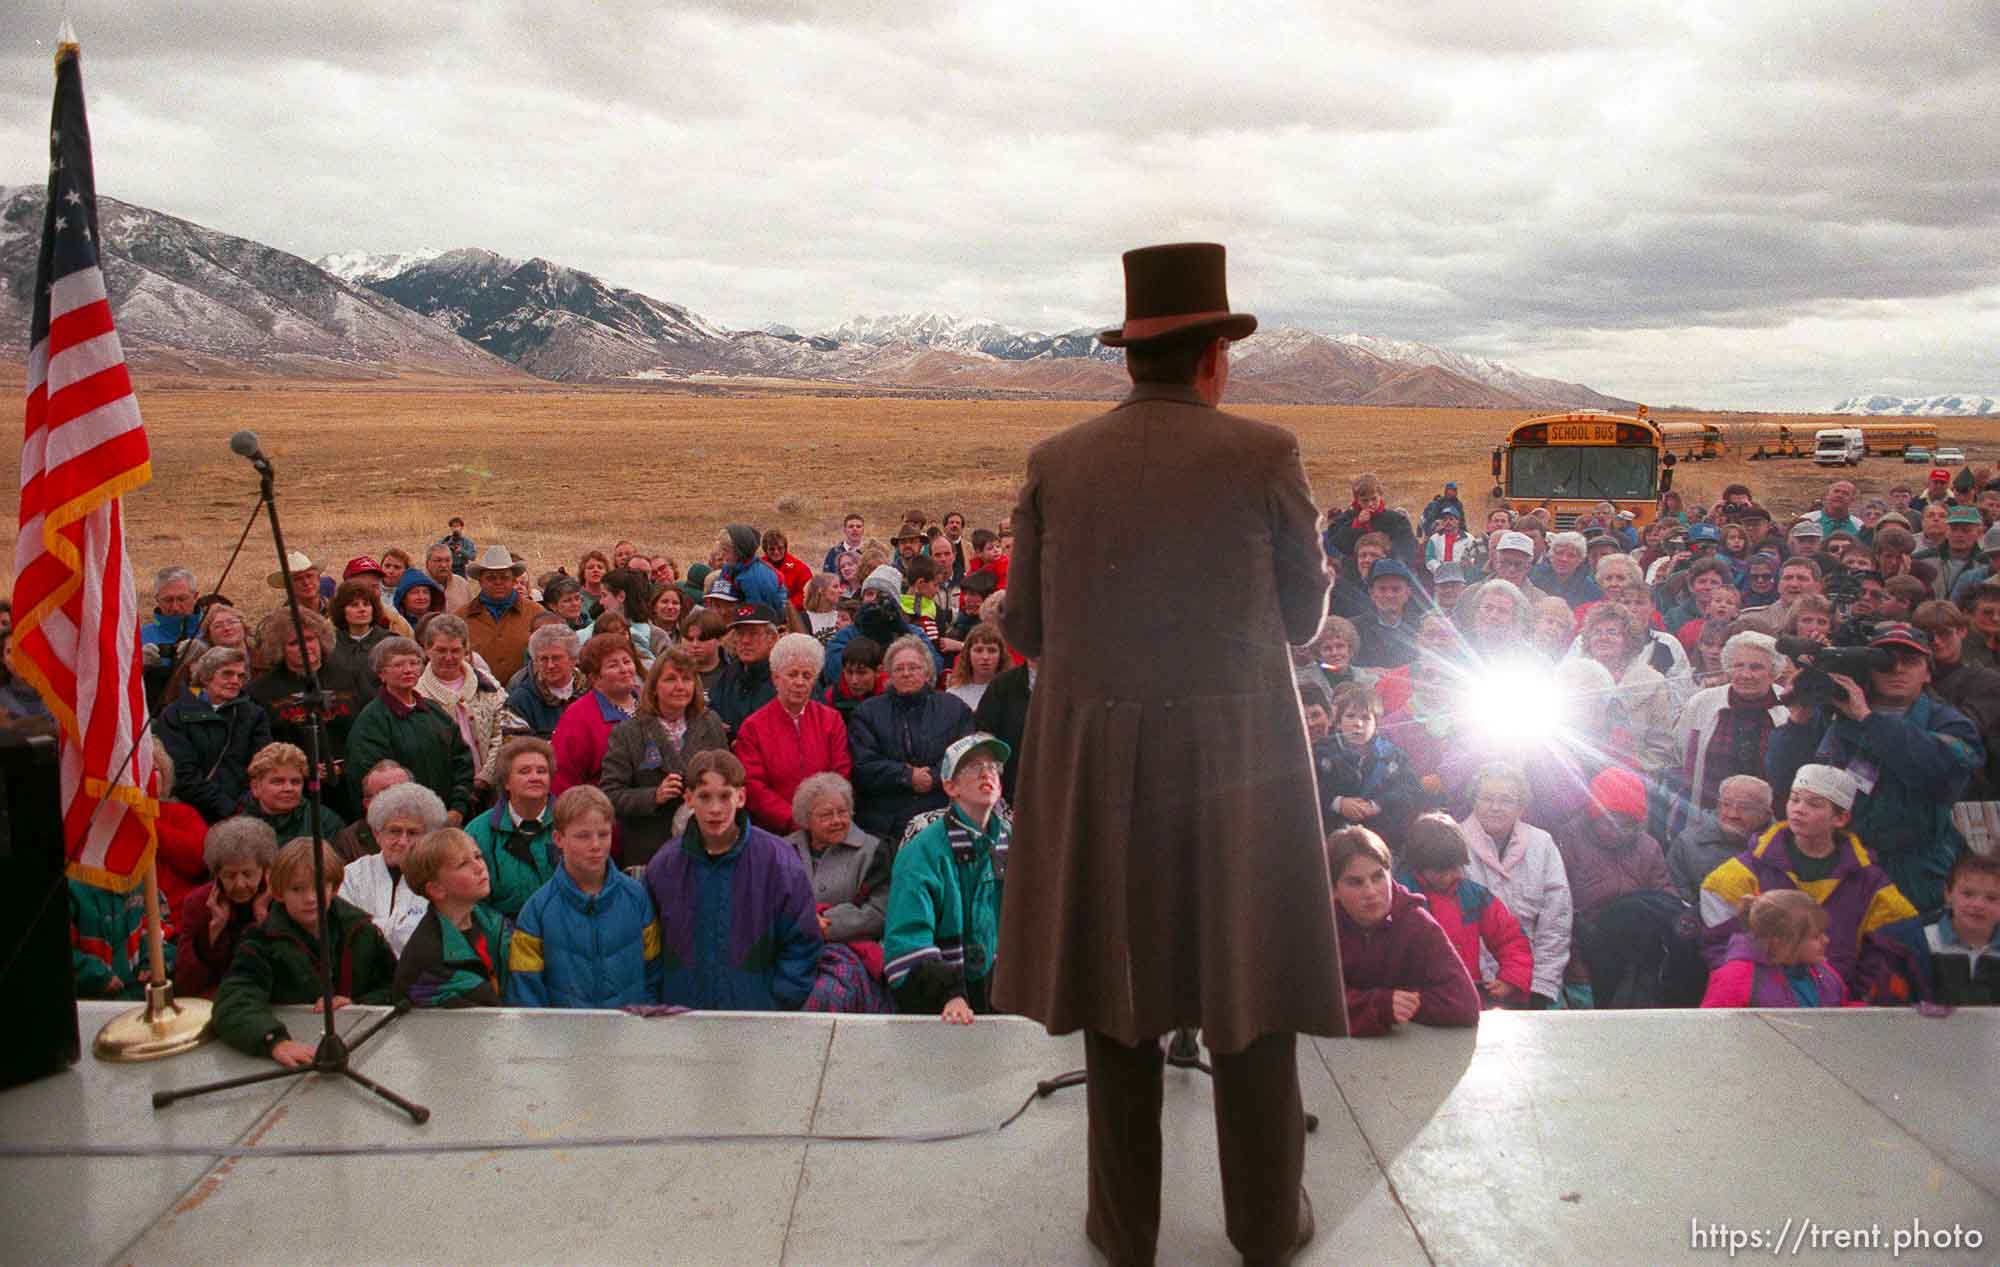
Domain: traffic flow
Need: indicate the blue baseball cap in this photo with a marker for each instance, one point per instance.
(1391, 567)
(1704, 532)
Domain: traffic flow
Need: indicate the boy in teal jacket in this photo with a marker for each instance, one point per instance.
(457, 954)
(943, 934)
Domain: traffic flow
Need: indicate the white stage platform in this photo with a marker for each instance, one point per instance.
(1561, 1138)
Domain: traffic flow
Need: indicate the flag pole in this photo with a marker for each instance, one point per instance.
(163, 1025)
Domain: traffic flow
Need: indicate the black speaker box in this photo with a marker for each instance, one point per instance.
(37, 986)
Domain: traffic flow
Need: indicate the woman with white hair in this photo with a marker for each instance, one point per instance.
(898, 739)
(850, 881)
(1563, 573)
(791, 738)
(1726, 729)
(1500, 620)
(1522, 867)
(1638, 729)
(453, 680)
(849, 867)
(399, 817)
(213, 732)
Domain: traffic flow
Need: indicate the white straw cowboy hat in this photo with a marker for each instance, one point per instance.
(297, 563)
(496, 559)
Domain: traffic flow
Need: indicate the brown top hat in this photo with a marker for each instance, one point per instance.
(1177, 292)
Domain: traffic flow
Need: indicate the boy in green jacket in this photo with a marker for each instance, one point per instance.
(943, 933)
(278, 961)
(457, 956)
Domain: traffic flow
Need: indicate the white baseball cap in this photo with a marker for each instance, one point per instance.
(1832, 782)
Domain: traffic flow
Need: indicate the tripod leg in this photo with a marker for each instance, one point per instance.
(354, 1044)
(418, 1113)
(161, 1099)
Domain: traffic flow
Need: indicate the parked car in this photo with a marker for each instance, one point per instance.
(1919, 457)
(1949, 455)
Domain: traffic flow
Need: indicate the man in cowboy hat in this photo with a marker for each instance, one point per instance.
(305, 583)
(1161, 822)
(500, 618)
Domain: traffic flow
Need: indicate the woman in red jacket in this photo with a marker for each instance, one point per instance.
(585, 729)
(791, 738)
(1395, 961)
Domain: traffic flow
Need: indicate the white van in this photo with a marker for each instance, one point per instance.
(1839, 446)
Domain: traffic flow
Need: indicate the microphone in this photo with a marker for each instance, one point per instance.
(244, 444)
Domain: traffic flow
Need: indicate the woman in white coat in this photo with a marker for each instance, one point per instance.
(1521, 865)
(399, 816)
(1725, 730)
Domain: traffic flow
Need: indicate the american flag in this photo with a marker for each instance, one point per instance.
(76, 625)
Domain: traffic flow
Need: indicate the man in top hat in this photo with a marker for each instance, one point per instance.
(1166, 787)
(500, 617)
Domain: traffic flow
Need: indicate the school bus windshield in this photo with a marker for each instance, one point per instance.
(1598, 472)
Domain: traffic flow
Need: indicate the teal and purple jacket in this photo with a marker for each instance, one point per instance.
(738, 932)
(441, 968)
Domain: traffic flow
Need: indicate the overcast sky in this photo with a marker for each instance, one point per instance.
(1746, 205)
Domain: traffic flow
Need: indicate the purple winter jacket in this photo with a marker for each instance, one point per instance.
(1406, 951)
(738, 932)
(1749, 979)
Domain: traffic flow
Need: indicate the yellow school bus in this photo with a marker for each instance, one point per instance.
(1570, 462)
(1691, 441)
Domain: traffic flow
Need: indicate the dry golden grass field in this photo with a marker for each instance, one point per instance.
(551, 470)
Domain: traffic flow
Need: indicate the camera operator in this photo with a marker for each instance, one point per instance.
(1856, 593)
(1908, 751)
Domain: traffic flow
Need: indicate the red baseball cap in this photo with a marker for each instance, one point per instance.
(362, 565)
(1939, 473)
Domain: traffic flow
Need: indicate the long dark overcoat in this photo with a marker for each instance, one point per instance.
(1167, 865)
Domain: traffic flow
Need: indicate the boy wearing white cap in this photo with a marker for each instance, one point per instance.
(943, 924)
(1810, 849)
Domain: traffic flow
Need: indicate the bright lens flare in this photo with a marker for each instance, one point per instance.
(1514, 705)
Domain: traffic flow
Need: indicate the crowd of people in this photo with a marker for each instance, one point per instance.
(1725, 757)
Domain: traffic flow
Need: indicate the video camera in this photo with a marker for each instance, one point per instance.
(1814, 684)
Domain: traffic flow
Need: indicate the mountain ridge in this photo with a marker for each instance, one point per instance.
(1942, 405)
(205, 301)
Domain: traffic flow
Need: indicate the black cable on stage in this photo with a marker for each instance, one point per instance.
(562, 1144)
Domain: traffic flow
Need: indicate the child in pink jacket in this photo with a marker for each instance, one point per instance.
(1472, 916)
(1781, 961)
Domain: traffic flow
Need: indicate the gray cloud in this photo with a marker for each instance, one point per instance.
(1627, 191)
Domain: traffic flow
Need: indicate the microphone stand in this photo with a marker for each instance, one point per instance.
(334, 1052)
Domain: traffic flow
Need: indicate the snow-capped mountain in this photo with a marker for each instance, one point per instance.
(986, 338)
(203, 301)
(193, 299)
(552, 321)
(1951, 405)
(362, 267)
(1479, 369)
